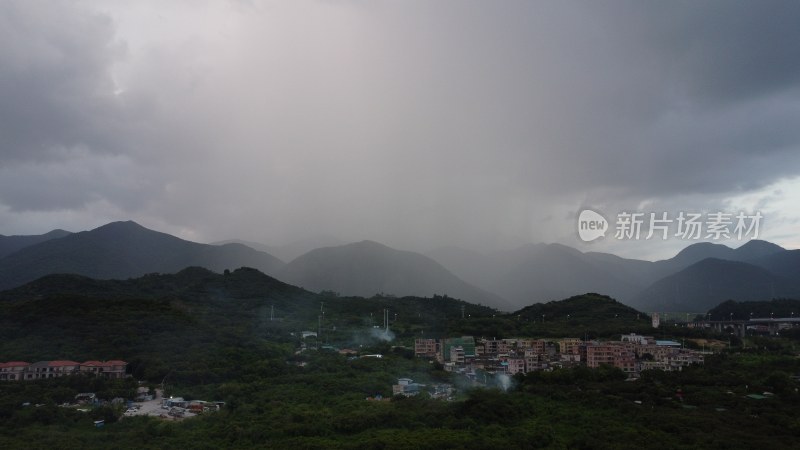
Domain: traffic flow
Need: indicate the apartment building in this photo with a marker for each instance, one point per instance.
(613, 354)
(41, 370)
(426, 348)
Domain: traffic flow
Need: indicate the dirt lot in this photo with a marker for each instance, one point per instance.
(153, 408)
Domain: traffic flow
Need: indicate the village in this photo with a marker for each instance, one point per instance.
(477, 359)
(632, 354)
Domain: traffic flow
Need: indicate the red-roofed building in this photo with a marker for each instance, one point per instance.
(92, 366)
(17, 370)
(115, 368)
(51, 369)
(13, 370)
(65, 365)
(109, 369)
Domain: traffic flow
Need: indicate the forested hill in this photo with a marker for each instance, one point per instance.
(197, 314)
(587, 306)
(11, 244)
(173, 322)
(778, 308)
(121, 250)
(589, 315)
(234, 337)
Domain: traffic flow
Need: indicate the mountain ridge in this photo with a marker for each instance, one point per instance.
(366, 268)
(124, 250)
(542, 272)
(11, 244)
(711, 281)
(507, 279)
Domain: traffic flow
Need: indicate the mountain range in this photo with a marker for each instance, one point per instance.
(290, 251)
(366, 268)
(121, 250)
(124, 250)
(696, 279)
(10, 244)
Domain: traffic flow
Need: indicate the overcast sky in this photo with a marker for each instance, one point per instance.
(484, 124)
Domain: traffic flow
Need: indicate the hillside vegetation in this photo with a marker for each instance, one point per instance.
(234, 337)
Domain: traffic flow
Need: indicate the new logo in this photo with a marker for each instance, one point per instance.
(591, 225)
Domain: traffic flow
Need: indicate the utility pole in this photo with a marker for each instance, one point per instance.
(162, 382)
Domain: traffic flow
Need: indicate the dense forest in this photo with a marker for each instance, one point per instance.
(235, 337)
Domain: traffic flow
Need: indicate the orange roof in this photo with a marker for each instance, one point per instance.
(104, 364)
(63, 363)
(15, 364)
(92, 363)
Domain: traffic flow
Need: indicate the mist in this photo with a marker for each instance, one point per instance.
(414, 124)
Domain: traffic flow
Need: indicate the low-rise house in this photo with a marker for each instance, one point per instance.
(407, 387)
(40, 370)
(638, 339)
(51, 369)
(108, 369)
(14, 370)
(115, 369)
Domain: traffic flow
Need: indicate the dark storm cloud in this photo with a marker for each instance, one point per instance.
(700, 98)
(72, 183)
(67, 136)
(723, 51)
(55, 81)
(413, 123)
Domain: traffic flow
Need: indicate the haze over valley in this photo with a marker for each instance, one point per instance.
(696, 279)
(399, 224)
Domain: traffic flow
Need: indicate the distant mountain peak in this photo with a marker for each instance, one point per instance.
(564, 248)
(58, 232)
(706, 283)
(369, 243)
(121, 225)
(11, 244)
(703, 247)
(366, 246)
(125, 249)
(366, 268)
(756, 248)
